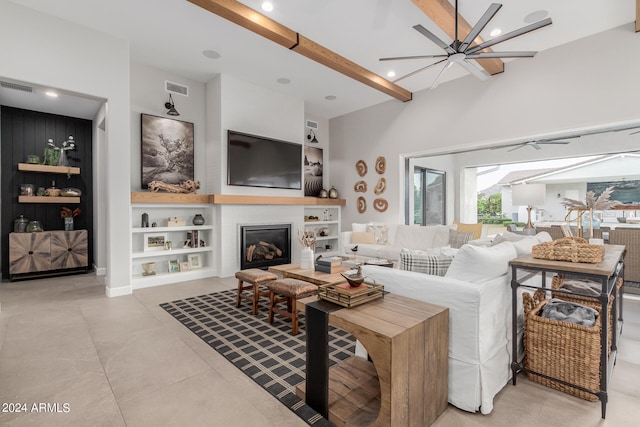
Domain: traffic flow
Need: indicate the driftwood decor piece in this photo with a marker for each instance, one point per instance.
(187, 186)
(381, 165)
(380, 186)
(360, 187)
(380, 205)
(361, 205)
(361, 167)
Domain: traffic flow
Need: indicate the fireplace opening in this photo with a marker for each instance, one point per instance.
(262, 246)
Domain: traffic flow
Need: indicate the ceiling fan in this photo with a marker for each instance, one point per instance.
(539, 143)
(460, 52)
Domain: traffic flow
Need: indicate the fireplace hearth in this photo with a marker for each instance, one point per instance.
(262, 246)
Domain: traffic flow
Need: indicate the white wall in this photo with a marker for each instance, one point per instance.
(148, 96)
(244, 107)
(45, 50)
(561, 89)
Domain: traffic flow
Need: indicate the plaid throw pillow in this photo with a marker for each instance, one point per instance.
(436, 265)
(457, 238)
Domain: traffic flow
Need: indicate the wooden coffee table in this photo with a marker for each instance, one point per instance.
(294, 271)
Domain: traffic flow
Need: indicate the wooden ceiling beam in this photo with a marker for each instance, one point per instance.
(248, 18)
(443, 14)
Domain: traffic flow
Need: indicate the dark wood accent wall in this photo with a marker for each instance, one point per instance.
(24, 132)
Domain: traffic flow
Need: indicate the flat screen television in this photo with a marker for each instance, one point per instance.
(257, 161)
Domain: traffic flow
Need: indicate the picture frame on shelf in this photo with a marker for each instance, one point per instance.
(167, 150)
(194, 261)
(154, 241)
(184, 266)
(174, 266)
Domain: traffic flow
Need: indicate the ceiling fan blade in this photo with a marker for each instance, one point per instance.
(517, 147)
(512, 34)
(418, 70)
(436, 81)
(633, 133)
(480, 74)
(514, 54)
(400, 58)
(477, 29)
(553, 142)
(534, 145)
(428, 34)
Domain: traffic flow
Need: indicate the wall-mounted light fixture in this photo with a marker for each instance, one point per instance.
(171, 106)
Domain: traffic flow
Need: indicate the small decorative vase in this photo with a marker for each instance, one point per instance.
(68, 223)
(198, 220)
(306, 259)
(323, 194)
(62, 158)
(144, 222)
(333, 193)
(34, 227)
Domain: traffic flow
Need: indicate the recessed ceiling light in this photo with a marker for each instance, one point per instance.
(283, 81)
(51, 94)
(391, 74)
(330, 97)
(211, 54)
(267, 6)
(495, 32)
(536, 16)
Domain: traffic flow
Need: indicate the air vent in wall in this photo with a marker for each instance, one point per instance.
(312, 125)
(176, 88)
(15, 86)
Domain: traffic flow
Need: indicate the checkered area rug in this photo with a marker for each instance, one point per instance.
(268, 354)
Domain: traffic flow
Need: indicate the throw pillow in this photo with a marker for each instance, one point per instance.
(363, 237)
(381, 233)
(435, 265)
(476, 229)
(358, 227)
(480, 263)
(458, 238)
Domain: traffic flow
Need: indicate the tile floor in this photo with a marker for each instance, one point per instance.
(100, 361)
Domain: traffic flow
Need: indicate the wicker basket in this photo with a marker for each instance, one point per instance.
(592, 302)
(574, 249)
(561, 350)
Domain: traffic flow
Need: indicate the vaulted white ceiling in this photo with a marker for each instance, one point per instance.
(172, 34)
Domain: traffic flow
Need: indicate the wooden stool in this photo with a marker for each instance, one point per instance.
(255, 277)
(288, 290)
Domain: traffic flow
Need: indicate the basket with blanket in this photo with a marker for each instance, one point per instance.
(574, 249)
(562, 341)
(589, 291)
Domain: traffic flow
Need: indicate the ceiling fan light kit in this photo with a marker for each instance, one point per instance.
(460, 52)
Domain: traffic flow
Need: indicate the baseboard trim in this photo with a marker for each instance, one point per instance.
(119, 291)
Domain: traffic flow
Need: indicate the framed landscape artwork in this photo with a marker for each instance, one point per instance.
(312, 171)
(167, 150)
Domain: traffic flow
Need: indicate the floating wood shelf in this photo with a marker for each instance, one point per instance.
(177, 198)
(229, 199)
(47, 199)
(30, 167)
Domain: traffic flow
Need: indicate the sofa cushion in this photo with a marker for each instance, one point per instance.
(476, 229)
(357, 227)
(459, 238)
(421, 237)
(435, 265)
(363, 237)
(380, 232)
(480, 263)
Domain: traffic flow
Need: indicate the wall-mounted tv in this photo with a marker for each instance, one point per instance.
(257, 161)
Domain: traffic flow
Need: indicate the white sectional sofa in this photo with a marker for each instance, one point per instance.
(390, 239)
(476, 289)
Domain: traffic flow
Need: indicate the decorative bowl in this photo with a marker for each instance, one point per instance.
(622, 219)
(353, 279)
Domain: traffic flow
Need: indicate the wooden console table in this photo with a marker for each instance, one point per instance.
(606, 272)
(408, 342)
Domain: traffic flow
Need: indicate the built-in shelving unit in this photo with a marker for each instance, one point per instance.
(326, 227)
(159, 213)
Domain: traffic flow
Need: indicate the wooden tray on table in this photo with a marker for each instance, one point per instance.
(348, 296)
